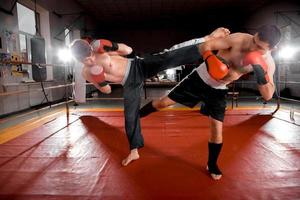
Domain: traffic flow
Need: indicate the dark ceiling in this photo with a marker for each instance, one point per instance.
(173, 20)
(145, 13)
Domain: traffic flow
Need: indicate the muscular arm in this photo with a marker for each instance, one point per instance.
(221, 43)
(216, 67)
(85, 73)
(106, 46)
(123, 50)
(268, 89)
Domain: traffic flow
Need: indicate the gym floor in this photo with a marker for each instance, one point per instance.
(45, 156)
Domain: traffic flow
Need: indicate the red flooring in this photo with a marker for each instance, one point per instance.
(260, 159)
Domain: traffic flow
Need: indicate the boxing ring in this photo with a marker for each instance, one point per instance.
(75, 152)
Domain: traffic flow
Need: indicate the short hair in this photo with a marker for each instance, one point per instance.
(80, 49)
(87, 38)
(270, 34)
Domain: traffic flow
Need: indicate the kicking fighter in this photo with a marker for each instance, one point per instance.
(238, 54)
(103, 61)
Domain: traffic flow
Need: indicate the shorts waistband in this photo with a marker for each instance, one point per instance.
(127, 71)
(204, 75)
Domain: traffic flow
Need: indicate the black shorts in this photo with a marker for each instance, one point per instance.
(192, 90)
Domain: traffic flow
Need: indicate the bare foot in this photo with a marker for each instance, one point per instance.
(133, 155)
(216, 176)
(215, 173)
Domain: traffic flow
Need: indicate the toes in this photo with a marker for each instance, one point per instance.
(125, 162)
(129, 159)
(216, 176)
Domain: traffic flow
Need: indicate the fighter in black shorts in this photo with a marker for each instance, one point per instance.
(245, 53)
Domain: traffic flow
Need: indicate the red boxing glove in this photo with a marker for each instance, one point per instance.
(216, 68)
(259, 65)
(97, 74)
(102, 45)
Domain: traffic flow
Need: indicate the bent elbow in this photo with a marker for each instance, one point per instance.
(267, 91)
(124, 49)
(129, 50)
(268, 97)
(108, 91)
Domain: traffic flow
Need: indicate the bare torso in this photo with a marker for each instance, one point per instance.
(114, 66)
(234, 56)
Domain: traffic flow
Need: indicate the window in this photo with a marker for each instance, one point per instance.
(23, 45)
(26, 19)
(67, 37)
(27, 29)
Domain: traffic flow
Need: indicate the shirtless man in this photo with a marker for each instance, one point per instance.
(238, 54)
(103, 61)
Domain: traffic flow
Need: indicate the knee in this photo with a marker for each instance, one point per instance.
(216, 127)
(162, 103)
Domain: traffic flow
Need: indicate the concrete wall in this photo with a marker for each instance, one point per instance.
(57, 24)
(52, 30)
(143, 38)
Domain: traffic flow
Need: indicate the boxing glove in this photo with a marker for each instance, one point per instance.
(97, 74)
(259, 65)
(102, 45)
(216, 68)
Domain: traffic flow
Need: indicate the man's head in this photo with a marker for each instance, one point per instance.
(81, 50)
(267, 37)
(87, 38)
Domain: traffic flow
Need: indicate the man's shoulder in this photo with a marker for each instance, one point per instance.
(240, 38)
(241, 35)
